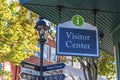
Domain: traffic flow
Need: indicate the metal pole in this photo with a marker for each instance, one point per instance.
(41, 42)
(72, 60)
(117, 56)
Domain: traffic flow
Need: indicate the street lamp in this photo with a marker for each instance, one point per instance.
(41, 27)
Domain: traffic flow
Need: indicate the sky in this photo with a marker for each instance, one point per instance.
(12, 0)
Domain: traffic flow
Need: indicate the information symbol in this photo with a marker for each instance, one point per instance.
(77, 20)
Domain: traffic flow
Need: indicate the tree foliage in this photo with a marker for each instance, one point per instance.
(17, 35)
(106, 65)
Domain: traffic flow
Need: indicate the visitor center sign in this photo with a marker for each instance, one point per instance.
(73, 40)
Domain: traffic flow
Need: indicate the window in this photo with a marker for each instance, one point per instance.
(37, 54)
(53, 55)
(46, 52)
(37, 50)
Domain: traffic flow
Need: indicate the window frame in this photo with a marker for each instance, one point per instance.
(53, 54)
(46, 52)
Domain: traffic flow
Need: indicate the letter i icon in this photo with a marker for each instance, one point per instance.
(78, 21)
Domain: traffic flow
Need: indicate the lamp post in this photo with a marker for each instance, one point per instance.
(41, 27)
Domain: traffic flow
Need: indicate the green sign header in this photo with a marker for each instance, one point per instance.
(77, 20)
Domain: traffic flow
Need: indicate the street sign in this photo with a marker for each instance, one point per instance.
(29, 76)
(77, 41)
(30, 66)
(54, 77)
(45, 68)
(53, 67)
(29, 71)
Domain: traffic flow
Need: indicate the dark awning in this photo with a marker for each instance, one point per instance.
(107, 15)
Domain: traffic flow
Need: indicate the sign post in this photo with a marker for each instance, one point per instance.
(31, 67)
(27, 71)
(54, 77)
(77, 38)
